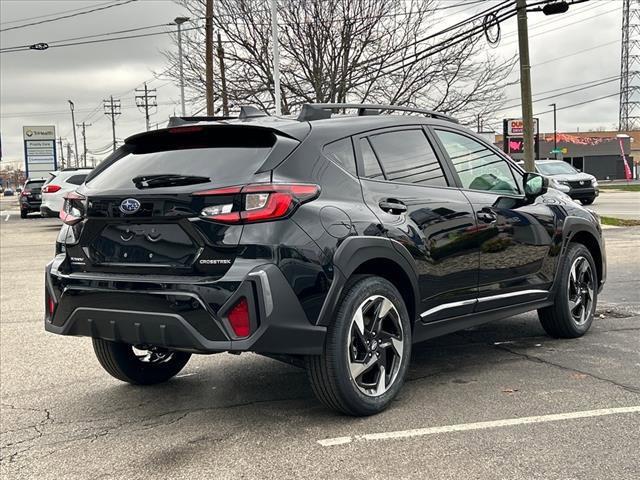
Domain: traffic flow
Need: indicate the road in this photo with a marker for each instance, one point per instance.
(618, 204)
(553, 407)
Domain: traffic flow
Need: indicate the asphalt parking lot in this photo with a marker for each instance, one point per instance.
(498, 401)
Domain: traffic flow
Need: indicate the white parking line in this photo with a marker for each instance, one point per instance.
(462, 427)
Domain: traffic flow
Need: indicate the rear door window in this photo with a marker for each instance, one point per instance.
(407, 157)
(371, 165)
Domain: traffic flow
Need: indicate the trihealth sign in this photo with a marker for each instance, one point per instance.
(39, 151)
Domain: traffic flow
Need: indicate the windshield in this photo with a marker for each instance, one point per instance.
(555, 168)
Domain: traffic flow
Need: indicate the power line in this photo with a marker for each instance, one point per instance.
(455, 26)
(582, 86)
(28, 46)
(436, 48)
(72, 44)
(580, 103)
(55, 13)
(24, 25)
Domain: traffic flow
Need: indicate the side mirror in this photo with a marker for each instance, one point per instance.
(535, 185)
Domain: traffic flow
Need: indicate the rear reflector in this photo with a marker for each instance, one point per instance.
(51, 188)
(239, 318)
(51, 306)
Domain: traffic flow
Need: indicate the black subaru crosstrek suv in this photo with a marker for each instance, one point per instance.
(330, 243)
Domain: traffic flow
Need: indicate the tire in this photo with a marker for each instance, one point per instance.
(572, 313)
(23, 214)
(587, 201)
(121, 362)
(340, 377)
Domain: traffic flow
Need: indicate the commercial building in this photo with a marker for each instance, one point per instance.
(597, 153)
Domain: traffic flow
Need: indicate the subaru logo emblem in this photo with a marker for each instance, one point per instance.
(129, 205)
(581, 182)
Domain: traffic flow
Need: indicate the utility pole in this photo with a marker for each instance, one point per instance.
(84, 126)
(146, 101)
(276, 56)
(75, 135)
(525, 85)
(223, 78)
(555, 134)
(209, 56)
(61, 153)
(179, 21)
(112, 108)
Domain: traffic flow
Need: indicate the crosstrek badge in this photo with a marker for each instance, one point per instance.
(215, 262)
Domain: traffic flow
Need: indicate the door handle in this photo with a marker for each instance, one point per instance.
(393, 206)
(486, 216)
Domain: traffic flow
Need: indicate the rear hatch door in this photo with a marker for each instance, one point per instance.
(140, 212)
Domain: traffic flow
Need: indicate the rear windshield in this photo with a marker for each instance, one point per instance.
(224, 159)
(34, 184)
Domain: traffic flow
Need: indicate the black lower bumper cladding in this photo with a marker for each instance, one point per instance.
(182, 316)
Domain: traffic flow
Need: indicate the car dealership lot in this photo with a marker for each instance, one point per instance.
(246, 416)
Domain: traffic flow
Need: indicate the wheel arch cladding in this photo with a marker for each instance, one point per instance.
(591, 243)
(372, 256)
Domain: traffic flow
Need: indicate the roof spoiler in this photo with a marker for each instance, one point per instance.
(320, 111)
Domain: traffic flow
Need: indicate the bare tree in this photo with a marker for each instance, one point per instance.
(344, 50)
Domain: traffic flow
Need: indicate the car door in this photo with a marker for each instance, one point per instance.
(405, 185)
(514, 234)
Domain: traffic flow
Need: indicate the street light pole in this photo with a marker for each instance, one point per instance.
(276, 56)
(555, 134)
(525, 85)
(75, 135)
(179, 21)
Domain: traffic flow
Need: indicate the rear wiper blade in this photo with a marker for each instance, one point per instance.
(167, 180)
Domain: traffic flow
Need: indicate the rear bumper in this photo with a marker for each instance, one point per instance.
(47, 212)
(179, 315)
(30, 205)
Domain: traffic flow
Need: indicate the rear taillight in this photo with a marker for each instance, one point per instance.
(239, 318)
(73, 208)
(25, 193)
(258, 202)
(51, 188)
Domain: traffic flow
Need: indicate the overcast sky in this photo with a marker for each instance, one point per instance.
(566, 50)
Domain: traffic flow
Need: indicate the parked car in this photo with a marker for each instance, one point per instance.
(562, 176)
(332, 243)
(58, 185)
(31, 197)
(8, 192)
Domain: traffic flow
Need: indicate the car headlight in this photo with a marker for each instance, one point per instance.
(561, 185)
(594, 182)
